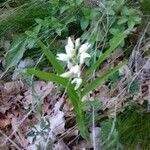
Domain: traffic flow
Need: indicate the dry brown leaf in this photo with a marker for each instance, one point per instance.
(4, 123)
(11, 88)
(60, 146)
(4, 145)
(57, 121)
(42, 89)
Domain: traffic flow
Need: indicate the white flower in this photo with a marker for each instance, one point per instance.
(78, 82)
(76, 70)
(67, 74)
(84, 48)
(70, 43)
(70, 51)
(63, 57)
(77, 43)
(69, 65)
(83, 56)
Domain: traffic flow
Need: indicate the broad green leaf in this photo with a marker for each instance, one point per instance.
(94, 84)
(33, 34)
(50, 56)
(48, 76)
(64, 8)
(16, 52)
(122, 20)
(114, 44)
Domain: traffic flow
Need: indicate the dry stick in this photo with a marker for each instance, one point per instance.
(7, 138)
(135, 51)
(137, 47)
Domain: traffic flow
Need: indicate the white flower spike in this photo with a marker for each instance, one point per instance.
(75, 57)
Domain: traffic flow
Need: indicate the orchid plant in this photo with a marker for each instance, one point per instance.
(75, 57)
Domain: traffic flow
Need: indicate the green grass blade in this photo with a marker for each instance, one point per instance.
(117, 40)
(47, 76)
(50, 56)
(94, 84)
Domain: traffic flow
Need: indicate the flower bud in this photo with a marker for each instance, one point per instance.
(84, 48)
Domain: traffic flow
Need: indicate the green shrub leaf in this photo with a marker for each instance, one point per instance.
(15, 52)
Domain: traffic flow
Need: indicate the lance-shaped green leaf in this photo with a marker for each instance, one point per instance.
(115, 43)
(47, 76)
(50, 56)
(94, 84)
